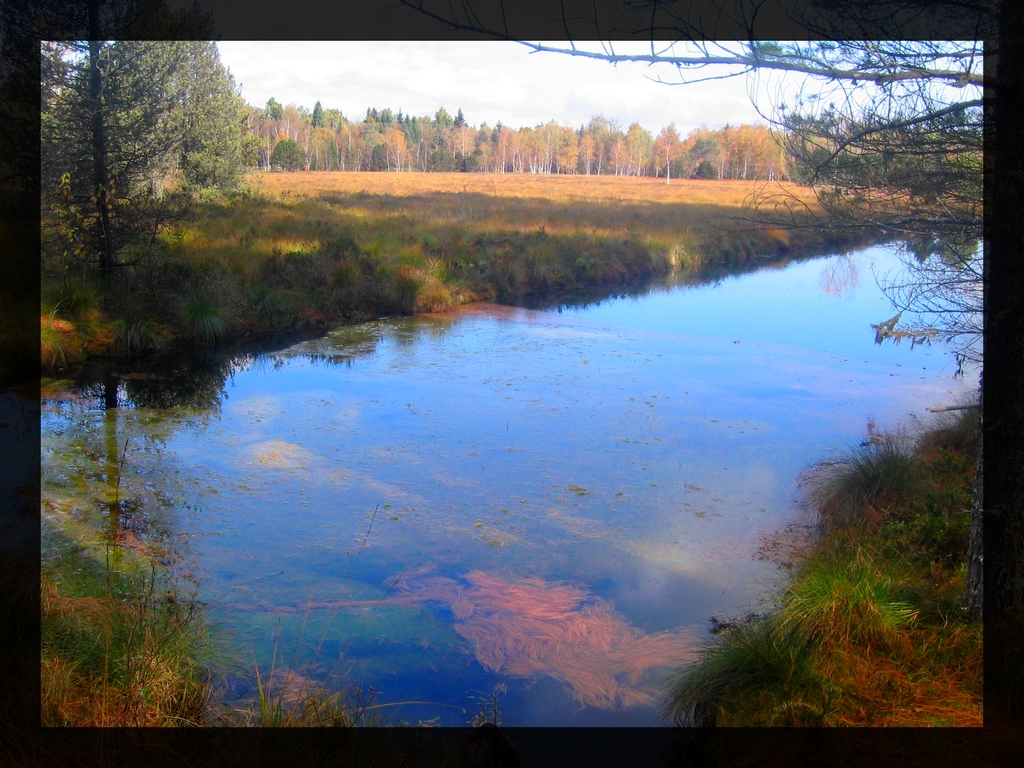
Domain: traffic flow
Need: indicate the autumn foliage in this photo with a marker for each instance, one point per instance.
(385, 141)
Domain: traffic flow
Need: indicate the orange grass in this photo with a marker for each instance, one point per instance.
(876, 607)
(897, 689)
(558, 204)
(556, 188)
(310, 249)
(92, 686)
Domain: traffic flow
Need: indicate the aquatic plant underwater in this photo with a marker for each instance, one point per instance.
(529, 628)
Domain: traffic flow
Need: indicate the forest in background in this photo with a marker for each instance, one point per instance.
(294, 138)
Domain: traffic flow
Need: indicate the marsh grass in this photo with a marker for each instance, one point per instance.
(133, 653)
(286, 698)
(759, 666)
(869, 630)
(56, 342)
(203, 320)
(299, 251)
(844, 598)
(132, 335)
(866, 482)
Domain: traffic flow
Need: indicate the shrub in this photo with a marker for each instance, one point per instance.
(287, 155)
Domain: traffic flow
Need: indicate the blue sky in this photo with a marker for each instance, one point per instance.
(488, 80)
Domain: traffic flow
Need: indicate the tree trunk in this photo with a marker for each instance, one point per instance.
(100, 176)
(1003, 415)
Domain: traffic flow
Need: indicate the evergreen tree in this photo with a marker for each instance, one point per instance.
(443, 120)
(117, 118)
(210, 117)
(287, 155)
(274, 110)
(318, 116)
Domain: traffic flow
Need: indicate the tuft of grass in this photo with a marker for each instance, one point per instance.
(869, 629)
(57, 346)
(957, 432)
(860, 487)
(288, 699)
(128, 655)
(132, 335)
(845, 599)
(203, 320)
(757, 672)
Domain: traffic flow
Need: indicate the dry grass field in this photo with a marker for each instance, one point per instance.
(556, 188)
(560, 204)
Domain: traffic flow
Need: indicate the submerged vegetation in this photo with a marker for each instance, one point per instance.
(307, 250)
(869, 630)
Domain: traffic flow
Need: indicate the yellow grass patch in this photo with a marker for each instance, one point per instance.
(561, 188)
(557, 203)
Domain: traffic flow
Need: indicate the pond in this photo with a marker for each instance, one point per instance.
(539, 509)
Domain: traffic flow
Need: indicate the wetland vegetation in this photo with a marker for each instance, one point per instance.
(869, 630)
(630, 459)
(305, 251)
(556, 568)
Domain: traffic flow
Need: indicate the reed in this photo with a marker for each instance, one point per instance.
(129, 654)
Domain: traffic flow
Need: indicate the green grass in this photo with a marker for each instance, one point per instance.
(132, 335)
(128, 652)
(760, 671)
(203, 320)
(866, 482)
(55, 348)
(848, 597)
(869, 630)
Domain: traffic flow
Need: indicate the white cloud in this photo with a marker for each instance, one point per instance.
(490, 81)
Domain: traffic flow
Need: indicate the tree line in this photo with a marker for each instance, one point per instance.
(294, 138)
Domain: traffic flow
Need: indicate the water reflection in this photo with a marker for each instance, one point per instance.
(553, 502)
(839, 275)
(197, 381)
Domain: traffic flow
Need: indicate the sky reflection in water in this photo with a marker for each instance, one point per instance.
(637, 450)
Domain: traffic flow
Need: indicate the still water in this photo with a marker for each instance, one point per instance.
(535, 508)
